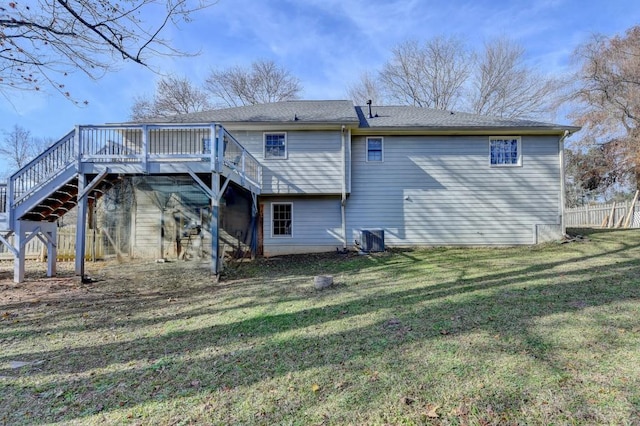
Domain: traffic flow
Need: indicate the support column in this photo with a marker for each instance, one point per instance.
(52, 249)
(81, 227)
(215, 225)
(18, 263)
(254, 225)
(218, 145)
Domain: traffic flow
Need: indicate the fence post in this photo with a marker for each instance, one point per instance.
(588, 216)
(629, 219)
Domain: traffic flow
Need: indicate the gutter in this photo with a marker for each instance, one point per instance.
(466, 131)
(343, 201)
(562, 183)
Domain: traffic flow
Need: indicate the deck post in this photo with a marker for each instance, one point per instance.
(81, 227)
(145, 150)
(219, 148)
(215, 201)
(215, 225)
(51, 234)
(18, 263)
(254, 225)
(9, 203)
(77, 146)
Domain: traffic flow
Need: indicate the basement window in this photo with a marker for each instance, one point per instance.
(275, 146)
(374, 150)
(505, 151)
(281, 219)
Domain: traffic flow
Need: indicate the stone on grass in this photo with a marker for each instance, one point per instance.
(323, 281)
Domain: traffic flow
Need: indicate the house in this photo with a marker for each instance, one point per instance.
(424, 177)
(300, 177)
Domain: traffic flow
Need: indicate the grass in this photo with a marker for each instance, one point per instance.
(444, 336)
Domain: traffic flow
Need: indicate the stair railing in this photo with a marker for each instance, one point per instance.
(42, 169)
(237, 158)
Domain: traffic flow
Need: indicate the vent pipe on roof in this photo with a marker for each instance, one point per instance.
(369, 103)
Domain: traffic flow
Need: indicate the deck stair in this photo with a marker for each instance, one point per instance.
(83, 164)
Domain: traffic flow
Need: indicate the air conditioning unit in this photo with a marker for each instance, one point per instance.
(372, 240)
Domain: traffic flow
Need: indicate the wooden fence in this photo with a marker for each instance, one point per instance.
(609, 215)
(95, 244)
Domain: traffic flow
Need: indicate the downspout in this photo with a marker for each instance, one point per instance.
(562, 183)
(343, 202)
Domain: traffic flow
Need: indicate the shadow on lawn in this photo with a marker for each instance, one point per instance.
(426, 312)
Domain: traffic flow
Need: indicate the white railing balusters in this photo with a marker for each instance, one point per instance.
(41, 169)
(133, 144)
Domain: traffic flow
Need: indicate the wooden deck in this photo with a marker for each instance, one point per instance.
(83, 164)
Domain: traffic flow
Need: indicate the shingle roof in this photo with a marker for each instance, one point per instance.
(426, 118)
(277, 112)
(344, 112)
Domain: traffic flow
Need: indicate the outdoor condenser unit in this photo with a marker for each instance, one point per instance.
(372, 240)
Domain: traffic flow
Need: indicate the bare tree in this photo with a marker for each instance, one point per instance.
(503, 85)
(173, 95)
(368, 87)
(428, 75)
(19, 147)
(263, 82)
(15, 146)
(606, 97)
(43, 41)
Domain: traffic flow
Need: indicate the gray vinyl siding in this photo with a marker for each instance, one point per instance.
(313, 163)
(316, 226)
(147, 227)
(443, 191)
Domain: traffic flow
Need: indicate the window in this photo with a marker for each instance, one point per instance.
(275, 145)
(281, 218)
(505, 151)
(374, 149)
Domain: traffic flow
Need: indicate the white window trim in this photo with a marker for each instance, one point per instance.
(366, 150)
(264, 146)
(519, 139)
(273, 235)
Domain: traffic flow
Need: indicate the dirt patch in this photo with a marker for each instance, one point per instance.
(37, 286)
(104, 277)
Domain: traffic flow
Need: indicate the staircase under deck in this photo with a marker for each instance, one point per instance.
(81, 166)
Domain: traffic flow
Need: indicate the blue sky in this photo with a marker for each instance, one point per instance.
(325, 43)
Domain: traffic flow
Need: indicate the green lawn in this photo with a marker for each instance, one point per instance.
(461, 336)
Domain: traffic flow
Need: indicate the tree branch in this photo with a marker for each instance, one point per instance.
(93, 28)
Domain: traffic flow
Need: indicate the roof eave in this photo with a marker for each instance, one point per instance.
(292, 125)
(470, 130)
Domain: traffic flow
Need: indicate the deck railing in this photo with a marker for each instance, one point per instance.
(44, 167)
(110, 144)
(167, 142)
(134, 144)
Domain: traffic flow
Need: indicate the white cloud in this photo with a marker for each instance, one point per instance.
(326, 43)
